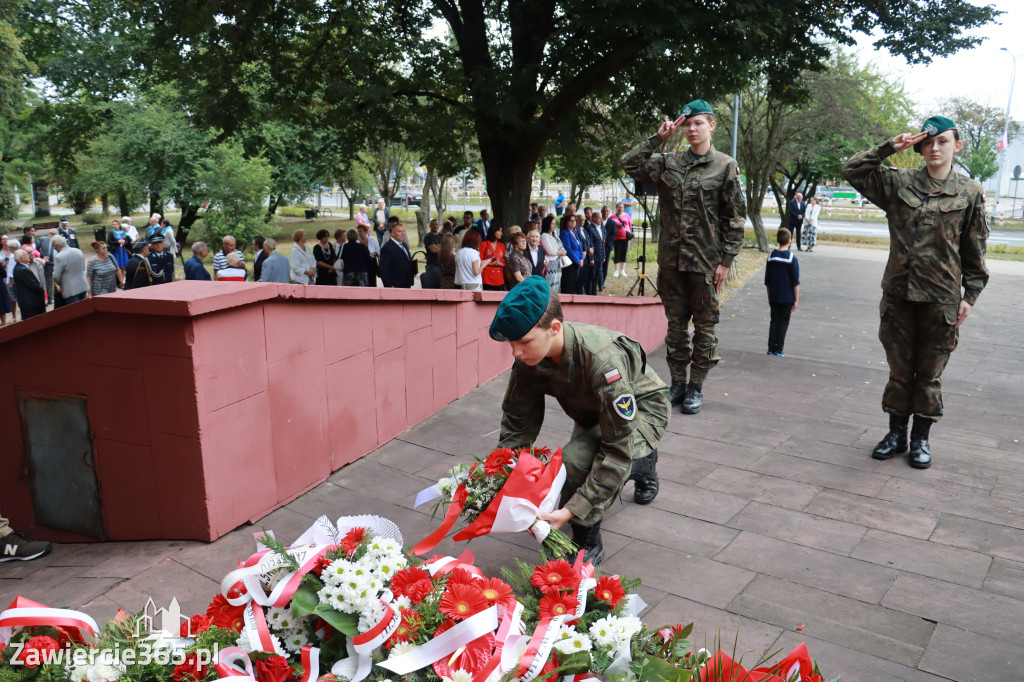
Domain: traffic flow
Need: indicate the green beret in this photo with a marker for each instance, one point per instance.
(935, 126)
(521, 309)
(697, 106)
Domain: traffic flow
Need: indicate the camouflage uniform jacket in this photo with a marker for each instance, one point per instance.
(702, 205)
(603, 379)
(937, 241)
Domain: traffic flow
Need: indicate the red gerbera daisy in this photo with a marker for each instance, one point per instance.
(321, 565)
(461, 576)
(408, 628)
(557, 605)
(412, 582)
(554, 576)
(224, 615)
(497, 591)
(498, 460)
(473, 656)
(609, 589)
(462, 601)
(543, 454)
(350, 543)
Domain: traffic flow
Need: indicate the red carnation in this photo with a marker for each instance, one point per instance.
(408, 629)
(412, 582)
(197, 624)
(557, 604)
(320, 565)
(190, 670)
(355, 537)
(35, 651)
(274, 669)
(472, 658)
(498, 460)
(554, 576)
(224, 615)
(609, 589)
(462, 601)
(497, 591)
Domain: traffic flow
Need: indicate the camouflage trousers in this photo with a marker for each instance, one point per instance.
(686, 296)
(918, 338)
(578, 456)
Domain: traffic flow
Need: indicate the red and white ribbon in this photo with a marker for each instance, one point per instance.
(441, 564)
(361, 647)
(24, 613)
(445, 644)
(254, 627)
(539, 647)
(510, 629)
(233, 665)
(268, 570)
(310, 664)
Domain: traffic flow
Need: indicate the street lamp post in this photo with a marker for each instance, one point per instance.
(1006, 123)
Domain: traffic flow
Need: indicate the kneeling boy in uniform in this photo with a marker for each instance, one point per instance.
(602, 381)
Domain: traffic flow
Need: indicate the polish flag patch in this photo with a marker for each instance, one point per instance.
(612, 376)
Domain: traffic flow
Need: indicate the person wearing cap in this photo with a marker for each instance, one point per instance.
(603, 382)
(935, 273)
(138, 272)
(161, 262)
(65, 230)
(702, 218)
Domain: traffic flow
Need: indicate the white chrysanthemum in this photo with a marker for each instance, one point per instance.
(459, 676)
(564, 631)
(294, 639)
(280, 618)
(384, 547)
(402, 602)
(389, 565)
(337, 572)
(369, 616)
(604, 632)
(628, 626)
(443, 487)
(401, 649)
(574, 643)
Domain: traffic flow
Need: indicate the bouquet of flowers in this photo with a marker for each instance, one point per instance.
(503, 492)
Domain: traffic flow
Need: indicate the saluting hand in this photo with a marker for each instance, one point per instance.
(906, 140)
(669, 127)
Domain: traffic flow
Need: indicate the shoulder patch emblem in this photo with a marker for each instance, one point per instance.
(612, 376)
(625, 406)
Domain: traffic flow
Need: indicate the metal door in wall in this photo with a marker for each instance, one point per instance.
(62, 470)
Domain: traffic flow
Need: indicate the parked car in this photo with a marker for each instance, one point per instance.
(410, 197)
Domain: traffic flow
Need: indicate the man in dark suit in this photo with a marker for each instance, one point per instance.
(261, 255)
(45, 247)
(396, 265)
(31, 299)
(483, 223)
(795, 217)
(597, 240)
(609, 238)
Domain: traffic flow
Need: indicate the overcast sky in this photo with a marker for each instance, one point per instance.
(982, 73)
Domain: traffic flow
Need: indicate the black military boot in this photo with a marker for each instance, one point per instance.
(589, 540)
(895, 442)
(676, 392)
(645, 477)
(693, 400)
(920, 451)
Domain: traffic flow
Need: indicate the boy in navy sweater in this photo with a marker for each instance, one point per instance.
(782, 279)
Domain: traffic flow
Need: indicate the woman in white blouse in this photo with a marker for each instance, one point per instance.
(302, 260)
(809, 237)
(468, 265)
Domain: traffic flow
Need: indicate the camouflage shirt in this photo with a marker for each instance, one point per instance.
(702, 205)
(603, 379)
(937, 230)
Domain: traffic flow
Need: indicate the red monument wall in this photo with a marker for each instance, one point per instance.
(210, 404)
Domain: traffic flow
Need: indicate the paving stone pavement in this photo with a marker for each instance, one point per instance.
(772, 515)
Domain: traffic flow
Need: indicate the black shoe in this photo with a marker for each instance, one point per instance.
(589, 540)
(920, 453)
(676, 392)
(693, 400)
(645, 477)
(895, 442)
(21, 547)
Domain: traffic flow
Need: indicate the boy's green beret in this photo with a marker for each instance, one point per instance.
(521, 309)
(935, 126)
(697, 106)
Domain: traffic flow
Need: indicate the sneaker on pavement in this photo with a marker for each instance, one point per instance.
(20, 547)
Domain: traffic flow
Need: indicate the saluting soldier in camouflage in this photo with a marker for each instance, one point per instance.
(702, 217)
(601, 379)
(935, 273)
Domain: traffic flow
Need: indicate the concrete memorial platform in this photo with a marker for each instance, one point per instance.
(773, 525)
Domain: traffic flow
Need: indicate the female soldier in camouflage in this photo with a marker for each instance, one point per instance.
(936, 270)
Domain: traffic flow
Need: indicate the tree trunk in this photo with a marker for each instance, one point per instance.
(758, 223)
(189, 215)
(155, 203)
(439, 196)
(422, 223)
(41, 191)
(105, 200)
(123, 205)
(428, 182)
(509, 162)
(272, 204)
